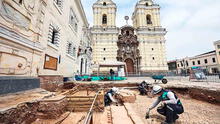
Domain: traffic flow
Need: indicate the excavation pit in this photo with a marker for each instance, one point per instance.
(72, 106)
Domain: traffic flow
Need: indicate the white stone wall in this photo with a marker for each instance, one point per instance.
(20, 28)
(25, 36)
(68, 65)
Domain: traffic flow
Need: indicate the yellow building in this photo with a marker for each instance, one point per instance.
(147, 29)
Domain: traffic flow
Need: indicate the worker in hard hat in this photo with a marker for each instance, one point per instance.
(143, 86)
(109, 96)
(171, 105)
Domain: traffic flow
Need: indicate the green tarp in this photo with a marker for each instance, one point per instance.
(98, 78)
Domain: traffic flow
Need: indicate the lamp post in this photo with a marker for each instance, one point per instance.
(184, 67)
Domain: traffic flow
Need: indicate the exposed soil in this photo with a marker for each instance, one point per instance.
(196, 112)
(202, 94)
(12, 100)
(201, 105)
(28, 112)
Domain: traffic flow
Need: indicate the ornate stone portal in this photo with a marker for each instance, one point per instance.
(128, 51)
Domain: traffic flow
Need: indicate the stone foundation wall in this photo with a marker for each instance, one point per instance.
(50, 82)
(26, 113)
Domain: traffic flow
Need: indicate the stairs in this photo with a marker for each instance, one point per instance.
(83, 103)
(79, 103)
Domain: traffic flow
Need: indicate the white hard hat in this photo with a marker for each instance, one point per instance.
(157, 89)
(114, 89)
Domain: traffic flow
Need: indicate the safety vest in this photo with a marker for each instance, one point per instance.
(164, 97)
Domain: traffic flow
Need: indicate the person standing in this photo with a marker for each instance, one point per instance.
(112, 73)
(171, 105)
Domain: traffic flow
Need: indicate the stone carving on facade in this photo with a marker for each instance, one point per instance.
(20, 66)
(30, 5)
(13, 16)
(41, 16)
(128, 49)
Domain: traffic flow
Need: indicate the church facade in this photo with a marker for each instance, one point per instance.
(141, 46)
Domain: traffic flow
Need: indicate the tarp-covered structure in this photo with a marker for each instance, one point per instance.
(112, 64)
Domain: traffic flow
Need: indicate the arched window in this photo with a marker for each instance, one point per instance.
(69, 48)
(104, 4)
(149, 19)
(104, 19)
(20, 1)
(147, 4)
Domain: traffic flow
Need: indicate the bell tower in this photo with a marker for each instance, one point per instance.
(146, 14)
(104, 32)
(150, 34)
(104, 13)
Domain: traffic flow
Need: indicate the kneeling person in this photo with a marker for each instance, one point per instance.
(171, 105)
(109, 96)
(142, 88)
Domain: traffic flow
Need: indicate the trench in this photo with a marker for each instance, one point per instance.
(72, 106)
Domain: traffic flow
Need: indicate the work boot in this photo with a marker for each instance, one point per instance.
(175, 118)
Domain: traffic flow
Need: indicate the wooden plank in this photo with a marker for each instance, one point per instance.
(80, 97)
(78, 109)
(79, 100)
(102, 117)
(75, 118)
(82, 106)
(79, 103)
(81, 109)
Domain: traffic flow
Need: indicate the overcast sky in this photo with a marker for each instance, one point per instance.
(192, 25)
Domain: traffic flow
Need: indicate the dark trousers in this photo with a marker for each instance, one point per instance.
(112, 77)
(171, 112)
(107, 100)
(142, 91)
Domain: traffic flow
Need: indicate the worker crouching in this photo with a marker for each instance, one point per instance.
(143, 87)
(171, 105)
(109, 96)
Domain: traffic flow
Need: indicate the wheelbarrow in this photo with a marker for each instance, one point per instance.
(158, 78)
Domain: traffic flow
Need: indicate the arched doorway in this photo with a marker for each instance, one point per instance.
(128, 51)
(130, 65)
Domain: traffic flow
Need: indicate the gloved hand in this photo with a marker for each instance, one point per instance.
(147, 114)
(162, 104)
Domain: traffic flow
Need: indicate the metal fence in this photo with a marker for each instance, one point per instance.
(181, 77)
(173, 76)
